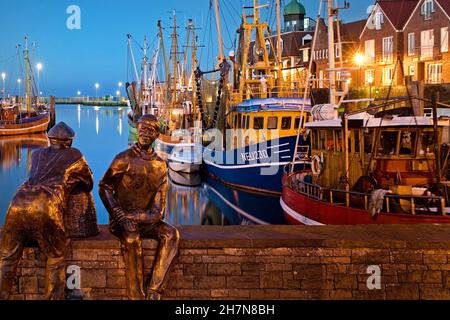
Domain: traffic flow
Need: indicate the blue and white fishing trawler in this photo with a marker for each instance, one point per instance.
(260, 142)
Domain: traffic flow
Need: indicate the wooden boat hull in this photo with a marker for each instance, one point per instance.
(31, 125)
(300, 209)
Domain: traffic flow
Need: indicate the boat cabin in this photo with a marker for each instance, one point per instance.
(395, 151)
(262, 119)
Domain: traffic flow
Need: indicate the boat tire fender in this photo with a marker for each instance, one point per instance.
(316, 165)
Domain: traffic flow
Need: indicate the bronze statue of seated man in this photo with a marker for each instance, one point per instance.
(133, 191)
(38, 209)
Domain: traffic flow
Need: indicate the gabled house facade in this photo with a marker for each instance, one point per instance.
(426, 38)
(382, 43)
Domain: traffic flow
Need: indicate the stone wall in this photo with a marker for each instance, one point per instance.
(269, 262)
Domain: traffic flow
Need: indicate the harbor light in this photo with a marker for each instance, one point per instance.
(79, 93)
(97, 85)
(3, 76)
(39, 66)
(120, 84)
(117, 92)
(359, 59)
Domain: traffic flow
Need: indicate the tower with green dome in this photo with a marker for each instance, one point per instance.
(294, 16)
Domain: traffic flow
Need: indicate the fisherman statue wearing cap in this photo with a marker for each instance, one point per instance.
(36, 213)
(134, 192)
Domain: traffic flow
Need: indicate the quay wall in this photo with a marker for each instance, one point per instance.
(268, 262)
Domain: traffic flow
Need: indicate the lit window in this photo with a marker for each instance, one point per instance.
(388, 75)
(379, 20)
(427, 43)
(388, 49)
(427, 9)
(444, 39)
(411, 44)
(370, 51)
(435, 73)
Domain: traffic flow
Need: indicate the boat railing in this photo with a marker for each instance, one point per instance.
(393, 203)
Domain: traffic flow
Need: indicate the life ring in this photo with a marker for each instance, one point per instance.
(316, 165)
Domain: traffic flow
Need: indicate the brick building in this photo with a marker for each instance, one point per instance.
(426, 56)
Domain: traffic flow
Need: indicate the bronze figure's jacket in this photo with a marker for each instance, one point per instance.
(136, 182)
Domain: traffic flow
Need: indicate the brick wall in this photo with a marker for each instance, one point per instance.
(274, 262)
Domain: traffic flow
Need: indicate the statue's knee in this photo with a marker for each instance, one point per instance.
(131, 240)
(174, 236)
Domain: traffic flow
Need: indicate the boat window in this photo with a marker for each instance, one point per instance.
(368, 142)
(248, 122)
(322, 139)
(272, 123)
(297, 123)
(239, 122)
(388, 143)
(286, 123)
(314, 137)
(258, 123)
(235, 121)
(244, 121)
(408, 143)
(330, 140)
(357, 141)
(427, 143)
(339, 146)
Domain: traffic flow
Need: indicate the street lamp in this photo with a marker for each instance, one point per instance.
(370, 81)
(96, 90)
(3, 78)
(39, 68)
(19, 81)
(359, 59)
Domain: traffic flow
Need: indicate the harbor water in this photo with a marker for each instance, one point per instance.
(103, 132)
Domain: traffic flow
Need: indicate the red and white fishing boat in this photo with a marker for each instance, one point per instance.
(382, 165)
(16, 119)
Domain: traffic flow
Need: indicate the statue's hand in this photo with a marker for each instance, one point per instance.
(151, 217)
(129, 225)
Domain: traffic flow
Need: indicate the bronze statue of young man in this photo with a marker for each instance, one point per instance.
(37, 210)
(133, 191)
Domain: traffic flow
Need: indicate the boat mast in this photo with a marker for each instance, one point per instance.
(331, 52)
(188, 38)
(27, 79)
(193, 68)
(279, 51)
(219, 31)
(144, 81)
(166, 69)
(175, 60)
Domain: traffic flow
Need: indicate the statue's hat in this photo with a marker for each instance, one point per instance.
(61, 131)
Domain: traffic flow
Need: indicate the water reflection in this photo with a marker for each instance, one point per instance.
(100, 136)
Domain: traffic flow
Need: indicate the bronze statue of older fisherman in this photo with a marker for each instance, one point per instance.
(36, 213)
(134, 192)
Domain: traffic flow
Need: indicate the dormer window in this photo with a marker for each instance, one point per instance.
(378, 20)
(427, 9)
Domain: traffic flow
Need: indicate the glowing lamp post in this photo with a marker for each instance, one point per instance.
(3, 78)
(39, 68)
(370, 82)
(359, 60)
(19, 82)
(96, 90)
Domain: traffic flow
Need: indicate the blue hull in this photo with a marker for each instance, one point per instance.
(256, 167)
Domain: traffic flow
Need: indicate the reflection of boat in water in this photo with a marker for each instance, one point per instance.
(185, 179)
(11, 147)
(185, 205)
(243, 207)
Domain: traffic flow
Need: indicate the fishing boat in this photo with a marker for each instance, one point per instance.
(385, 164)
(179, 141)
(263, 115)
(16, 119)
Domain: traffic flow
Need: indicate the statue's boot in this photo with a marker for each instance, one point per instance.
(132, 254)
